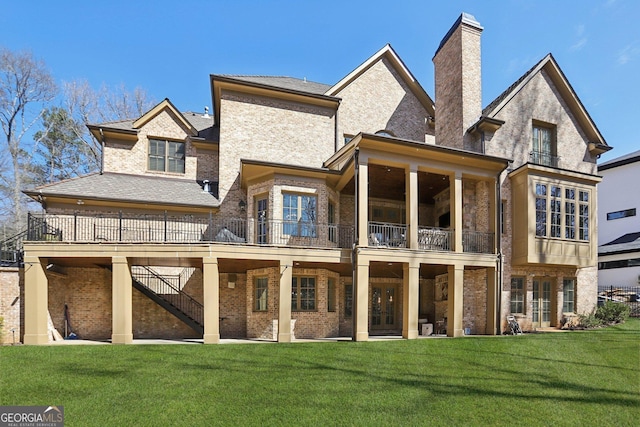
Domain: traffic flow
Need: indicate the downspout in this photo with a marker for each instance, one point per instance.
(101, 151)
(336, 143)
(499, 259)
(354, 253)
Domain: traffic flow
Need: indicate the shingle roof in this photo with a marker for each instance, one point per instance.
(626, 243)
(283, 82)
(489, 108)
(204, 125)
(131, 189)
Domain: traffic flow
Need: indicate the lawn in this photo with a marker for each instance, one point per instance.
(571, 378)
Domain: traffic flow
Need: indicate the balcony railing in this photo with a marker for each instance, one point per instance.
(435, 239)
(185, 229)
(544, 159)
(191, 229)
(477, 242)
(300, 233)
(386, 234)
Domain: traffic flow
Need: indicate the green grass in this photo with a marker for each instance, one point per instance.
(572, 378)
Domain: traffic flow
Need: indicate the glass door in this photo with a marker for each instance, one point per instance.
(261, 221)
(383, 307)
(541, 303)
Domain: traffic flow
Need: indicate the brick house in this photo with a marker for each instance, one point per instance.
(304, 210)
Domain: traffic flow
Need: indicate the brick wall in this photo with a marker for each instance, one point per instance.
(11, 301)
(379, 99)
(259, 128)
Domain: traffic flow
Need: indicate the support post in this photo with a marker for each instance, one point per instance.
(410, 299)
(455, 305)
(362, 199)
(211, 294)
(122, 326)
(284, 312)
(455, 185)
(361, 300)
(36, 306)
(411, 190)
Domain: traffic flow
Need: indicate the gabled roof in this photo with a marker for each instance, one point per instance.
(280, 87)
(550, 66)
(283, 82)
(203, 124)
(620, 161)
(129, 189)
(164, 105)
(390, 54)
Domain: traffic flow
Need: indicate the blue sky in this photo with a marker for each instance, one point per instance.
(169, 48)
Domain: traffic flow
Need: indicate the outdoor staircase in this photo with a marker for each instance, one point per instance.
(11, 253)
(166, 291)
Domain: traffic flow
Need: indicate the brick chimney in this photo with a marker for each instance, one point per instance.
(458, 83)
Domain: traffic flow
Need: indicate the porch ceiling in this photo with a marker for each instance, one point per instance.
(389, 183)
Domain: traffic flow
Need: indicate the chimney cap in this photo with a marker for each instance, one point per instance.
(465, 18)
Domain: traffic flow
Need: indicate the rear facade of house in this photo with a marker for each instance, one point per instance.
(303, 210)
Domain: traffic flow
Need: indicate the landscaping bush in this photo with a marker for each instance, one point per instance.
(613, 312)
(589, 321)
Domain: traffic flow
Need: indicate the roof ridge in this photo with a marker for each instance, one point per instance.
(493, 104)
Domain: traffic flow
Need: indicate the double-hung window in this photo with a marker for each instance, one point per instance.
(303, 293)
(568, 295)
(517, 295)
(541, 210)
(166, 156)
(261, 295)
(299, 215)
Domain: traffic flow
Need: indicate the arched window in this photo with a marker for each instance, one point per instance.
(385, 132)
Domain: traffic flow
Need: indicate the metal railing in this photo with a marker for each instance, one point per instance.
(387, 234)
(165, 228)
(628, 295)
(435, 238)
(478, 242)
(300, 233)
(11, 253)
(169, 288)
(544, 159)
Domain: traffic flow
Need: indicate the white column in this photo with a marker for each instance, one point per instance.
(284, 313)
(36, 301)
(410, 299)
(455, 304)
(211, 294)
(411, 191)
(122, 305)
(361, 301)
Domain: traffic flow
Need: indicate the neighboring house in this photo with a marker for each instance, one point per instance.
(619, 223)
(304, 210)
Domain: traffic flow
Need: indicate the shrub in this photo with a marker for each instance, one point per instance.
(613, 312)
(589, 321)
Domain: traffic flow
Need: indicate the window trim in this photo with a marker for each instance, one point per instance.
(562, 211)
(299, 227)
(296, 292)
(166, 157)
(258, 300)
(573, 282)
(625, 213)
(520, 291)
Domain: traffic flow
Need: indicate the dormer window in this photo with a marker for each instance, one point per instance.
(166, 156)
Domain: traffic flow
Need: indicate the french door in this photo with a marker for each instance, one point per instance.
(261, 221)
(383, 307)
(541, 303)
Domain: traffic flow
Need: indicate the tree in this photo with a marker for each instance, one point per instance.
(61, 151)
(25, 85)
